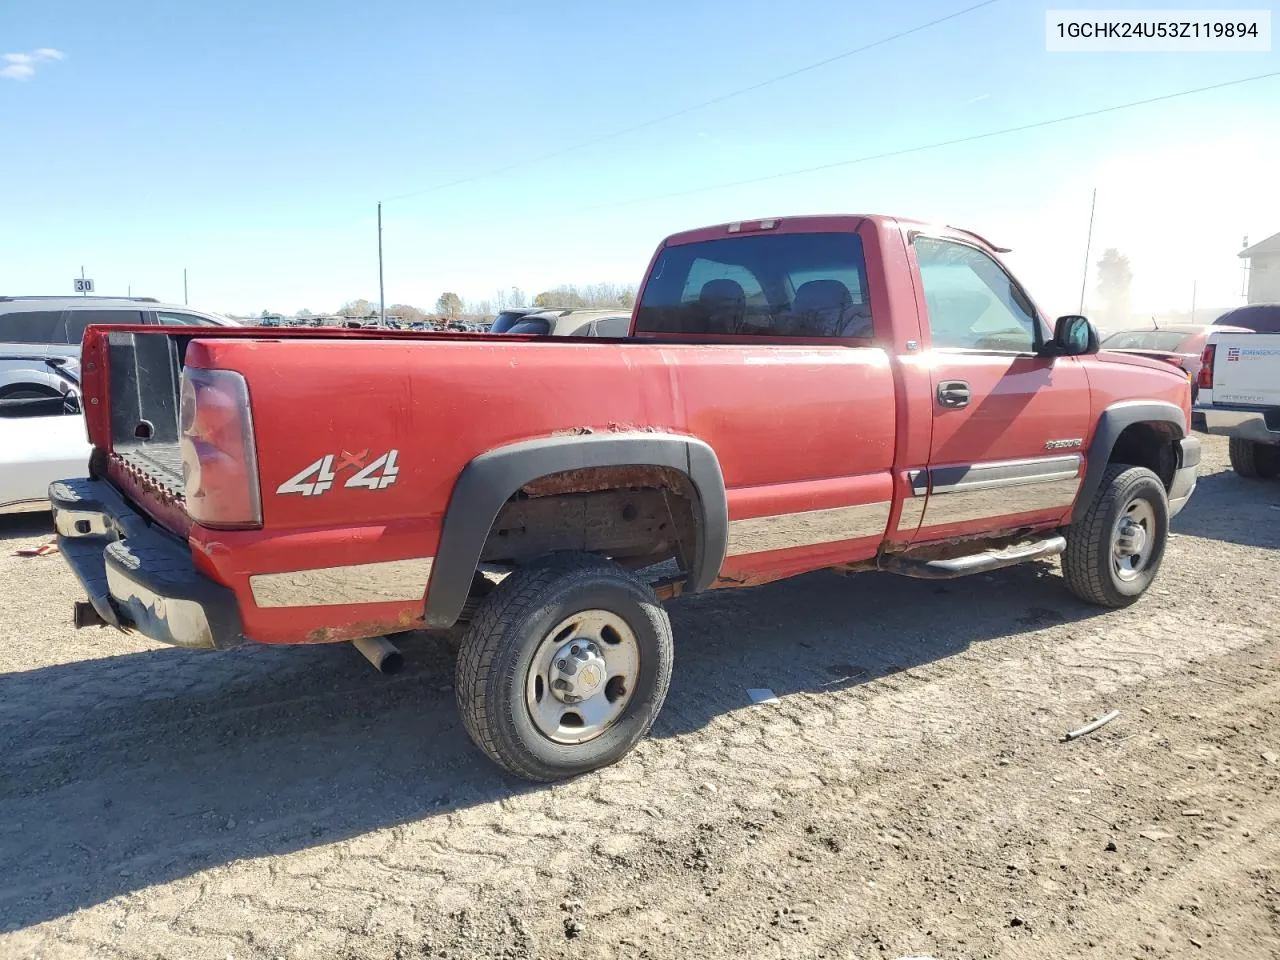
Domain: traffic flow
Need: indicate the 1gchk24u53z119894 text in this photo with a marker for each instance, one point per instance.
(1245, 31)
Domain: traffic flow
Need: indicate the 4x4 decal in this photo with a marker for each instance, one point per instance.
(318, 477)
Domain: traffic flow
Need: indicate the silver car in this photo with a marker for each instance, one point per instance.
(43, 327)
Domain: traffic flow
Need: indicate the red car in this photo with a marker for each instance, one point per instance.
(1179, 344)
(848, 392)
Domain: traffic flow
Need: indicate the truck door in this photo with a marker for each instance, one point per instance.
(1008, 424)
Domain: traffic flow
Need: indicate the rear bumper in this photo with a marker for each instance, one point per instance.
(138, 577)
(1245, 423)
(1186, 476)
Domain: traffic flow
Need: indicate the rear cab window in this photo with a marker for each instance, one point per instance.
(791, 285)
(536, 325)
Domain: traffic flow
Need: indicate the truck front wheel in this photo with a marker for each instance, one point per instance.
(564, 667)
(1114, 551)
(1252, 459)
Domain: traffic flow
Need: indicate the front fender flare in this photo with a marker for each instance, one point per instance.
(488, 481)
(1113, 422)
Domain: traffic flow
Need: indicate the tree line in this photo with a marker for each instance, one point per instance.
(451, 306)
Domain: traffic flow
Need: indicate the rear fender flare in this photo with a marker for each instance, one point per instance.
(1113, 422)
(488, 481)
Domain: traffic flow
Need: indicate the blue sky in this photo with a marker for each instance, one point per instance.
(249, 142)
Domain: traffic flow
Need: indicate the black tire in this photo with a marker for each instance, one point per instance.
(1254, 460)
(499, 646)
(28, 391)
(1268, 460)
(1088, 563)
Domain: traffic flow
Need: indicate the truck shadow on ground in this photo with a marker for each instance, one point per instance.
(121, 773)
(17, 525)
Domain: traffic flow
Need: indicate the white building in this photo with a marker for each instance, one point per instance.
(1264, 270)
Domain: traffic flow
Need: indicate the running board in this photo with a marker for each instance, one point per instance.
(974, 562)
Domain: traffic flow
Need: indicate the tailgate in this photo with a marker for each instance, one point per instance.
(1246, 369)
(144, 379)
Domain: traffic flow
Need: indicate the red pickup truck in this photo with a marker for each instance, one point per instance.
(849, 392)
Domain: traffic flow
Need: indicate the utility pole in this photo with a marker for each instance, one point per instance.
(82, 290)
(1244, 270)
(184, 285)
(130, 291)
(1084, 281)
(382, 296)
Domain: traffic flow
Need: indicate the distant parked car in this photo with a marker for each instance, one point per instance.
(1179, 344)
(1253, 317)
(506, 319)
(53, 327)
(572, 323)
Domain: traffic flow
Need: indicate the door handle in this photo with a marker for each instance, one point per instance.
(953, 393)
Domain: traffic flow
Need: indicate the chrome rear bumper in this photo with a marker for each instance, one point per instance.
(139, 578)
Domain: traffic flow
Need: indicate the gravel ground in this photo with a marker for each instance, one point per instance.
(908, 795)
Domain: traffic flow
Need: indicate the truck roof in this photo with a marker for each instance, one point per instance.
(836, 222)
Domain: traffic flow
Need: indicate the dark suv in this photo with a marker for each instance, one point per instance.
(1258, 317)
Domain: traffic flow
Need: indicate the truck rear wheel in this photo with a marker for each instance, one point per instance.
(1114, 551)
(564, 667)
(1253, 460)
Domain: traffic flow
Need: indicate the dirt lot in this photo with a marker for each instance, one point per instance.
(909, 795)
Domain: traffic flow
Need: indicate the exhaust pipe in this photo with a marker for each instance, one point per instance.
(381, 652)
(84, 614)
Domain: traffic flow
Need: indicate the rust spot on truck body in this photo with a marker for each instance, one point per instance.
(595, 479)
(406, 622)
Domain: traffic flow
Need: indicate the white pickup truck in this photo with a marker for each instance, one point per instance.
(1239, 397)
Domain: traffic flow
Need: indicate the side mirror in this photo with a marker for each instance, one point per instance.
(1073, 336)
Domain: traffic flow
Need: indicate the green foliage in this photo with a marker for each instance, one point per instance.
(591, 296)
(357, 308)
(449, 304)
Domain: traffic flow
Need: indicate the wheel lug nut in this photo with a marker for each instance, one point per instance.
(562, 664)
(574, 650)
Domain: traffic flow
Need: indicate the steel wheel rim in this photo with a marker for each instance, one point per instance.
(582, 676)
(1133, 540)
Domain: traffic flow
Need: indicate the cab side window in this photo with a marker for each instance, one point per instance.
(973, 304)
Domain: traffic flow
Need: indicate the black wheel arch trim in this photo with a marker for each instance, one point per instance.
(488, 481)
(1113, 422)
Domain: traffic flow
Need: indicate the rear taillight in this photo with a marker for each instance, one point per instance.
(1204, 379)
(219, 458)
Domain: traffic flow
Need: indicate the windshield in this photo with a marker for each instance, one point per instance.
(774, 285)
(1164, 340)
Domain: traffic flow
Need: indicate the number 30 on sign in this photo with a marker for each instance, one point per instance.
(320, 476)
